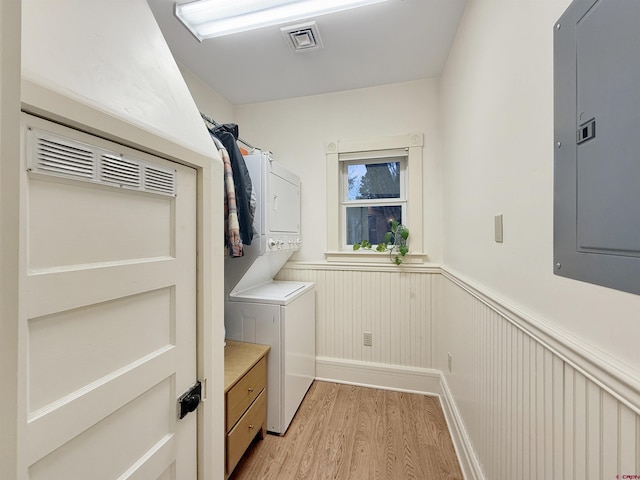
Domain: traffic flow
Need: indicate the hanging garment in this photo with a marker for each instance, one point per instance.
(231, 128)
(232, 240)
(242, 181)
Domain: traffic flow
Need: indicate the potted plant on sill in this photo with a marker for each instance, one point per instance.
(395, 242)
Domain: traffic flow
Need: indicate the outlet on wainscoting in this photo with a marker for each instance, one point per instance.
(449, 360)
(367, 339)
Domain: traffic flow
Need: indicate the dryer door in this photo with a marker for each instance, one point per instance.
(284, 205)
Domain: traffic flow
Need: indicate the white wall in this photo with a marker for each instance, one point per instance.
(74, 48)
(497, 108)
(545, 370)
(209, 102)
(296, 131)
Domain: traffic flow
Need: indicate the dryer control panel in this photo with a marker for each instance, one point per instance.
(285, 242)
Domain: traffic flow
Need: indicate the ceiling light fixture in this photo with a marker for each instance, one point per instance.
(215, 18)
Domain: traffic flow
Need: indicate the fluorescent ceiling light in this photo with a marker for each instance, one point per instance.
(214, 18)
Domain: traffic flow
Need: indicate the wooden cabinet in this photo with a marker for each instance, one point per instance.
(245, 390)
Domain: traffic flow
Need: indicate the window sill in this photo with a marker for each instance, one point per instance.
(368, 256)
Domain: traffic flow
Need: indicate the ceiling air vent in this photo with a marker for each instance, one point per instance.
(302, 37)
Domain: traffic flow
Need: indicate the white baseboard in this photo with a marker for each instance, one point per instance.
(469, 463)
(424, 381)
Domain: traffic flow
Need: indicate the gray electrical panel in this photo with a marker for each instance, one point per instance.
(597, 143)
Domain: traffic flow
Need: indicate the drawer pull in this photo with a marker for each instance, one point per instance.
(250, 390)
(251, 426)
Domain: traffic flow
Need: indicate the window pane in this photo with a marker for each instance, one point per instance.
(373, 180)
(370, 223)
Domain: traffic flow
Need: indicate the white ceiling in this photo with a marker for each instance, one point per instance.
(389, 42)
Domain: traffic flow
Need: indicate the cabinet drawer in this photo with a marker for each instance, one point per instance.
(240, 396)
(239, 438)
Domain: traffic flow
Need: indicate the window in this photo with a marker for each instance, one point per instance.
(373, 195)
(370, 183)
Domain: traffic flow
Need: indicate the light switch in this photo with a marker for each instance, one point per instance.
(497, 220)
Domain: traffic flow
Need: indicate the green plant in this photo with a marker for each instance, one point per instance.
(395, 242)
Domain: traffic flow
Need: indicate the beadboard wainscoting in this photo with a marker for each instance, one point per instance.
(534, 403)
(522, 400)
(395, 304)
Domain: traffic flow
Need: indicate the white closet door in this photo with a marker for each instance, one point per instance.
(108, 314)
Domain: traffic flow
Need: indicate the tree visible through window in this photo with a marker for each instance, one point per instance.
(374, 198)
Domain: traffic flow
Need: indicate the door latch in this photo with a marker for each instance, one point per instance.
(190, 400)
(587, 131)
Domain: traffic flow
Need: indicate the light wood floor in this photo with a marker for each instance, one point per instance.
(345, 432)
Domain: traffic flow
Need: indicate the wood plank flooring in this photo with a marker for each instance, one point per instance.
(344, 432)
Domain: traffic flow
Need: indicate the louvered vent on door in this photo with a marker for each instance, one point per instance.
(160, 180)
(63, 157)
(120, 171)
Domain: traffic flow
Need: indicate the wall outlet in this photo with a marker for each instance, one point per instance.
(449, 358)
(367, 339)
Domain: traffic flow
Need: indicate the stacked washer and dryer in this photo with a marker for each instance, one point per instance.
(259, 309)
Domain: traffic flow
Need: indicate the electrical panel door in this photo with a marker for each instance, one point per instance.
(597, 143)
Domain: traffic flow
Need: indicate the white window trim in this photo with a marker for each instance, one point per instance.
(370, 148)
